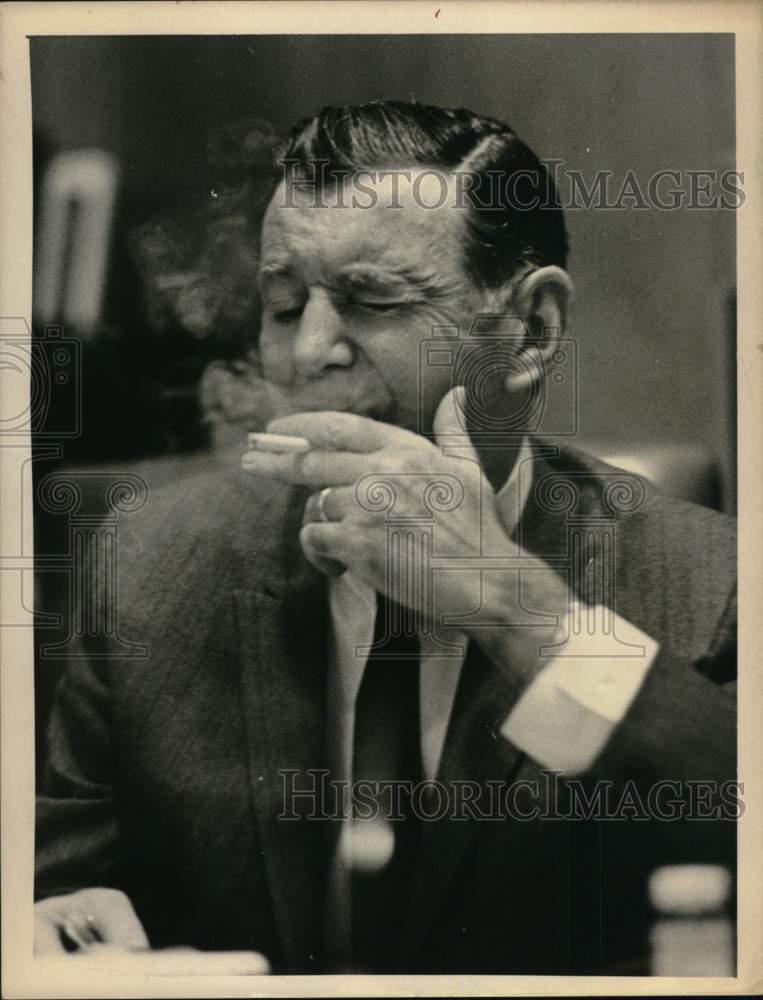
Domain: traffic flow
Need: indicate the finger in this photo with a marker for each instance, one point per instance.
(47, 936)
(177, 962)
(187, 962)
(343, 431)
(114, 918)
(328, 540)
(450, 423)
(80, 930)
(329, 567)
(315, 468)
(336, 504)
(282, 443)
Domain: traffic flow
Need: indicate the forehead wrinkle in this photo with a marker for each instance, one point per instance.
(307, 243)
(389, 276)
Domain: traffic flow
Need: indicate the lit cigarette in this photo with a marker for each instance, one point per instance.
(279, 443)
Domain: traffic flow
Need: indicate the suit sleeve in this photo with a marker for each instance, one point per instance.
(666, 718)
(681, 726)
(77, 828)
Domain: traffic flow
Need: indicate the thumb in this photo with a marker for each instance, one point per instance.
(449, 423)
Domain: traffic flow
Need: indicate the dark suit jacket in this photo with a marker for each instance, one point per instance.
(162, 774)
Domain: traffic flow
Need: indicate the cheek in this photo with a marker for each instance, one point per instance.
(275, 355)
(416, 388)
(435, 383)
(396, 357)
(391, 353)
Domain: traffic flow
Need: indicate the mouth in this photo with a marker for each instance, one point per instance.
(246, 396)
(363, 393)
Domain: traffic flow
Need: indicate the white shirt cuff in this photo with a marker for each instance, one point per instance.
(568, 712)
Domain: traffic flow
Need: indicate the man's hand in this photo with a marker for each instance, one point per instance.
(377, 472)
(103, 930)
(445, 510)
(85, 918)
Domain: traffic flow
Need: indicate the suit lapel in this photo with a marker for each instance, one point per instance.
(474, 750)
(282, 640)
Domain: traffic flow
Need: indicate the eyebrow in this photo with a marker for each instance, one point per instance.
(273, 269)
(402, 277)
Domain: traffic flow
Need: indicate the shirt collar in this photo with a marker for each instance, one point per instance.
(512, 496)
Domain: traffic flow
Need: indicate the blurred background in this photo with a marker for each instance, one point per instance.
(121, 133)
(121, 128)
(653, 317)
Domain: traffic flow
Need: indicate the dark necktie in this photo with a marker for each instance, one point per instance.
(386, 748)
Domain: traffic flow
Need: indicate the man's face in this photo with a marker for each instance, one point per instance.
(349, 293)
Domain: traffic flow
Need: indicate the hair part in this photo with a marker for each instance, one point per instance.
(519, 223)
(199, 262)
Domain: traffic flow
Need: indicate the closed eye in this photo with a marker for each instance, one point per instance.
(380, 307)
(288, 315)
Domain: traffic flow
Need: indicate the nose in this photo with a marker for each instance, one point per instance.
(320, 342)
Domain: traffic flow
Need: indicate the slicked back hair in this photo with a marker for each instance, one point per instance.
(514, 217)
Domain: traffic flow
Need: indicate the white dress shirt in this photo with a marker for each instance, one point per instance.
(562, 720)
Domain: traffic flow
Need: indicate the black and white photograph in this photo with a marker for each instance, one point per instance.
(371, 568)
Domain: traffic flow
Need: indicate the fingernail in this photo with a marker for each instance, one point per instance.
(315, 541)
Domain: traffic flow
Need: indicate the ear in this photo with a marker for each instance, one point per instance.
(542, 301)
